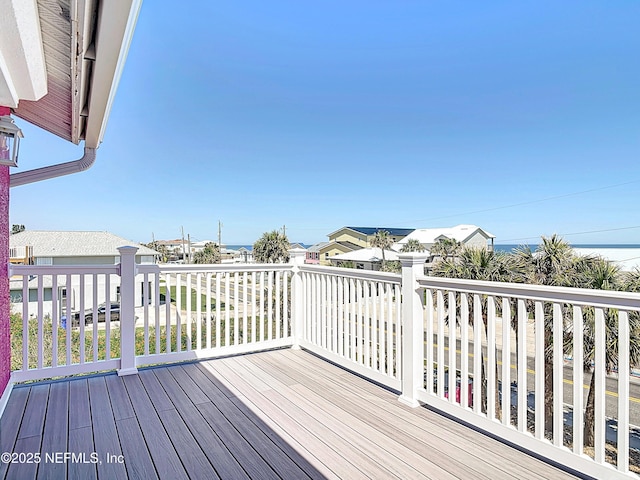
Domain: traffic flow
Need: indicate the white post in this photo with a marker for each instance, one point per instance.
(127, 311)
(412, 327)
(297, 296)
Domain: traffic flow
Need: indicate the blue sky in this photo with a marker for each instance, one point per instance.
(520, 117)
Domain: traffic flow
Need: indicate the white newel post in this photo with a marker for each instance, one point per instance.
(127, 311)
(412, 327)
(297, 299)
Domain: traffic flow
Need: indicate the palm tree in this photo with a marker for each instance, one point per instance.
(412, 245)
(603, 275)
(552, 263)
(272, 247)
(383, 240)
(209, 254)
(445, 248)
(474, 263)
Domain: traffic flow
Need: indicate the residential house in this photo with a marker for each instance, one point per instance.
(467, 235)
(364, 258)
(68, 249)
(363, 236)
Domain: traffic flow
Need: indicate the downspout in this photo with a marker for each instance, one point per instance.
(52, 171)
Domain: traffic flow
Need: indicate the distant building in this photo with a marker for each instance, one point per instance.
(467, 235)
(363, 236)
(364, 258)
(70, 248)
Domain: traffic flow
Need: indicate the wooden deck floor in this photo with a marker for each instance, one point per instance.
(276, 415)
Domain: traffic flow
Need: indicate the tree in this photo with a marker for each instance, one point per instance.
(474, 263)
(446, 247)
(209, 254)
(17, 229)
(383, 240)
(412, 245)
(603, 275)
(160, 248)
(552, 263)
(272, 247)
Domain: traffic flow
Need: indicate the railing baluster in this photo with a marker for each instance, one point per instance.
(95, 327)
(323, 311)
(208, 299)
(506, 361)
(40, 322)
(382, 325)
(55, 320)
(623, 391)
(199, 310)
(375, 357)
(270, 311)
(245, 291)
(522, 365)
(491, 357)
(81, 319)
(145, 310)
(218, 331)
(558, 375)
(253, 307)
(189, 314)
(428, 340)
(341, 316)
(477, 354)
(352, 319)
(227, 310)
(107, 328)
(578, 380)
(600, 385)
(540, 370)
(156, 303)
(167, 299)
(236, 308)
(464, 349)
(178, 312)
(452, 347)
(440, 345)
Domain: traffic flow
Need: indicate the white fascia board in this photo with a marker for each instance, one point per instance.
(22, 64)
(116, 24)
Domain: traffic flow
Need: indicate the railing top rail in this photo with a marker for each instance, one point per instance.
(63, 269)
(387, 277)
(577, 296)
(203, 268)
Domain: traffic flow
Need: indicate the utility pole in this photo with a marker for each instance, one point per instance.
(182, 228)
(284, 230)
(189, 247)
(220, 236)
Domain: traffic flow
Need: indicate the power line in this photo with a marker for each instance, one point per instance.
(575, 233)
(530, 202)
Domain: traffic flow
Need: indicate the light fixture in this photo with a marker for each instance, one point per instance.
(10, 136)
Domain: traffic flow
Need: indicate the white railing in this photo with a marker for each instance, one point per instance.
(352, 317)
(485, 353)
(429, 338)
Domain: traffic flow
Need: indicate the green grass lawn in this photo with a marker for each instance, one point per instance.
(183, 297)
(17, 340)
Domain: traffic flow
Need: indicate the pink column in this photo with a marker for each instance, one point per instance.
(5, 304)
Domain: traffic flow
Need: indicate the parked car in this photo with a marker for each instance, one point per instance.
(114, 308)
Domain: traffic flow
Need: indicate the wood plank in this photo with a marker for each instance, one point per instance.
(23, 470)
(381, 449)
(138, 461)
(218, 454)
(311, 423)
(193, 458)
(120, 402)
(106, 441)
(155, 392)
(81, 441)
(33, 420)
(79, 404)
(251, 462)
(55, 438)
(10, 423)
(332, 460)
(165, 458)
(270, 451)
(486, 450)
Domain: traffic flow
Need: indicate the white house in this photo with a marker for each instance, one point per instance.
(364, 258)
(467, 235)
(70, 249)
